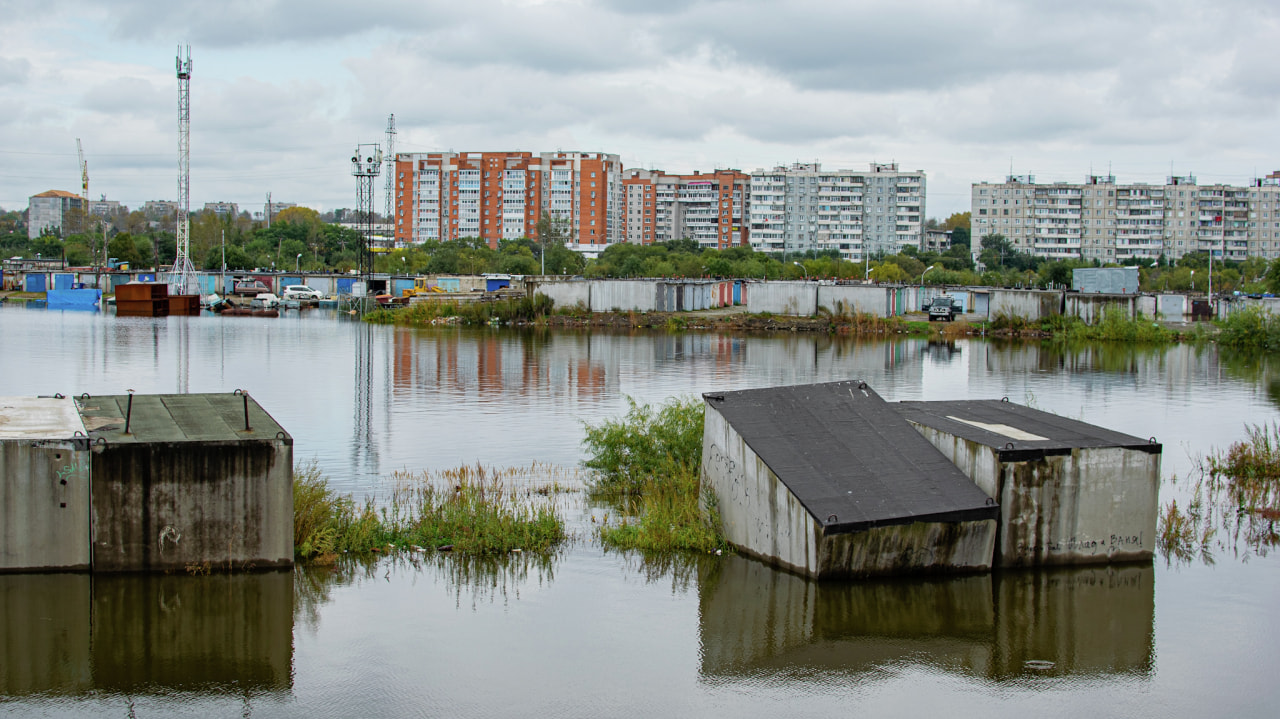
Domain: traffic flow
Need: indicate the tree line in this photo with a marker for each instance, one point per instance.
(300, 238)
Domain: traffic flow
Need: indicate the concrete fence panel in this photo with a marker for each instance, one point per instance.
(784, 298)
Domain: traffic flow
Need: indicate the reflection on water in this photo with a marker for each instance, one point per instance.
(73, 634)
(1097, 620)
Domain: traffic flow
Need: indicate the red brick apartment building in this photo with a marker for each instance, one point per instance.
(502, 195)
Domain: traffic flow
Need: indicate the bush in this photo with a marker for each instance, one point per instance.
(1250, 328)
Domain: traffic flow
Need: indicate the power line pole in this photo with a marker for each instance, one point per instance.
(366, 164)
(182, 276)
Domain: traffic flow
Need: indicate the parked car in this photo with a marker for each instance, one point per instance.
(266, 301)
(301, 292)
(944, 308)
(251, 288)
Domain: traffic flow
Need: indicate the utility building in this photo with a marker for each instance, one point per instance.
(828, 480)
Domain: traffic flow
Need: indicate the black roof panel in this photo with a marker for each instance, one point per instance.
(850, 457)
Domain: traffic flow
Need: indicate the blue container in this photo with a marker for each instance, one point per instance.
(34, 283)
(345, 285)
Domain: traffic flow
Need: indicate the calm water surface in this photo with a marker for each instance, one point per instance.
(593, 633)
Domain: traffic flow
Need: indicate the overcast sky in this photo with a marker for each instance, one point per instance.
(283, 90)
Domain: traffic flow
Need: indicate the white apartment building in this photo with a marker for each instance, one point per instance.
(802, 207)
(1109, 221)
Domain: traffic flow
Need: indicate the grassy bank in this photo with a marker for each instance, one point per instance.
(468, 509)
(648, 465)
(1250, 329)
(1234, 503)
(438, 312)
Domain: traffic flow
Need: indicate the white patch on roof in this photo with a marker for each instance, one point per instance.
(1002, 429)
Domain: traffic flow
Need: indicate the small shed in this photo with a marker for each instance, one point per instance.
(44, 485)
(190, 480)
(1069, 492)
(828, 480)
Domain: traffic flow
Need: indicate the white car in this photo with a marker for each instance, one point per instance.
(266, 301)
(302, 292)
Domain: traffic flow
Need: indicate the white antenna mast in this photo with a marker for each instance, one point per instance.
(182, 276)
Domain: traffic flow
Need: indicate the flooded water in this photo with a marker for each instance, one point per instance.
(601, 633)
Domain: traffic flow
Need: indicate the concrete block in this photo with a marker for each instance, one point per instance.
(1069, 492)
(188, 487)
(44, 485)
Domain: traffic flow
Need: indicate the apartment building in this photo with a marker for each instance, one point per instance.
(709, 209)
(802, 207)
(502, 195)
(1109, 221)
(45, 211)
(223, 209)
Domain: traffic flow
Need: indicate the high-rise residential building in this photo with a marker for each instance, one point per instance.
(1111, 222)
(45, 211)
(709, 209)
(159, 209)
(802, 207)
(223, 209)
(502, 195)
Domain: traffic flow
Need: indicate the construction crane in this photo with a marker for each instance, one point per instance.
(84, 183)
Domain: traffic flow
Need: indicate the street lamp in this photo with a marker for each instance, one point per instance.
(926, 271)
(1193, 280)
(297, 265)
(802, 268)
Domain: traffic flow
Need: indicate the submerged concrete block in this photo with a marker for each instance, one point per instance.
(44, 485)
(189, 487)
(828, 480)
(1069, 492)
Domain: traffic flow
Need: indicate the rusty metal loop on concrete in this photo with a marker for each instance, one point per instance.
(1004, 399)
(1008, 445)
(281, 435)
(58, 395)
(84, 395)
(831, 519)
(101, 440)
(78, 433)
(239, 391)
(1152, 440)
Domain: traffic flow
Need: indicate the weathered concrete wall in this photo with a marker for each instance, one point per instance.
(783, 298)
(564, 293)
(624, 295)
(1033, 305)
(1105, 280)
(175, 505)
(917, 547)
(1092, 307)
(855, 299)
(759, 514)
(44, 485)
(1089, 506)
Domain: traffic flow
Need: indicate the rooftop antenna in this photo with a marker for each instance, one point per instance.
(391, 166)
(182, 276)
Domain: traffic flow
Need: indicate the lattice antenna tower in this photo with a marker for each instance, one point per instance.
(366, 165)
(182, 276)
(391, 165)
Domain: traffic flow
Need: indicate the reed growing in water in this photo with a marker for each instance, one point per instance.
(648, 464)
(467, 509)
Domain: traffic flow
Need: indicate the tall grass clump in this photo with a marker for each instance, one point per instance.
(325, 522)
(469, 509)
(443, 311)
(1250, 328)
(649, 462)
(1237, 497)
(1117, 326)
